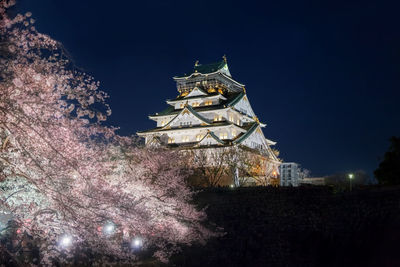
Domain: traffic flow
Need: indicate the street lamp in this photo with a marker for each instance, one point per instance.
(109, 228)
(137, 243)
(65, 241)
(350, 178)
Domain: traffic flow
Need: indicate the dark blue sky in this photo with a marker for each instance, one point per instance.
(323, 76)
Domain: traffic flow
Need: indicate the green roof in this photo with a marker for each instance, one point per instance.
(212, 134)
(214, 124)
(247, 134)
(169, 110)
(198, 115)
(236, 99)
(209, 68)
(232, 97)
(192, 97)
(216, 138)
(206, 68)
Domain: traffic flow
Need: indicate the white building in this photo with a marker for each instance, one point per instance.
(212, 110)
(290, 174)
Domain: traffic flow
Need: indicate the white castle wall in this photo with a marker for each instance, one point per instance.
(244, 106)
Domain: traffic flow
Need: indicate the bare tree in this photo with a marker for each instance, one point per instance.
(210, 164)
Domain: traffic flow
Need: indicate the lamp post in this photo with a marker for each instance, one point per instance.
(350, 178)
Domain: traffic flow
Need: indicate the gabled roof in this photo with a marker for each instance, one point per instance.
(158, 129)
(155, 141)
(196, 92)
(172, 111)
(212, 95)
(213, 136)
(188, 108)
(236, 99)
(247, 134)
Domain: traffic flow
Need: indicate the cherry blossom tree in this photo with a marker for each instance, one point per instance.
(75, 189)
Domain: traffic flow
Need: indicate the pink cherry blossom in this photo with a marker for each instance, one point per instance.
(67, 175)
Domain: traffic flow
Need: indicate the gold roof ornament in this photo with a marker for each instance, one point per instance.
(196, 63)
(244, 89)
(224, 58)
(211, 90)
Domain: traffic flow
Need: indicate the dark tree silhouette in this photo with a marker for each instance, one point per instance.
(388, 172)
(341, 180)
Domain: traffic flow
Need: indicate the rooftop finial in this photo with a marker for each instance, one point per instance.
(196, 63)
(224, 57)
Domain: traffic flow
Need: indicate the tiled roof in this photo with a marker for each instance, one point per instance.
(206, 68)
(214, 124)
(209, 68)
(180, 98)
(236, 99)
(243, 137)
(198, 115)
(212, 134)
(231, 98)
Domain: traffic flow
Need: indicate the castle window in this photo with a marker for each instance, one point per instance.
(233, 133)
(231, 118)
(223, 136)
(199, 137)
(218, 117)
(185, 123)
(171, 140)
(196, 104)
(182, 105)
(208, 103)
(185, 138)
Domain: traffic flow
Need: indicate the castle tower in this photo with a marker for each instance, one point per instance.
(211, 111)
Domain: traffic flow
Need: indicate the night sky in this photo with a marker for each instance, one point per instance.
(324, 77)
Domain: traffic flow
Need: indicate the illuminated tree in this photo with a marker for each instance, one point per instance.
(69, 183)
(252, 166)
(210, 165)
(240, 165)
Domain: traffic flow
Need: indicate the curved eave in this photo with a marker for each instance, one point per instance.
(154, 117)
(195, 97)
(270, 142)
(230, 78)
(246, 135)
(144, 133)
(198, 89)
(244, 114)
(191, 110)
(212, 134)
(198, 115)
(213, 125)
(206, 74)
(219, 108)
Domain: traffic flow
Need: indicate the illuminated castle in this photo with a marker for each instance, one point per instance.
(212, 110)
